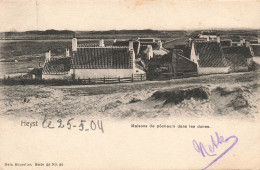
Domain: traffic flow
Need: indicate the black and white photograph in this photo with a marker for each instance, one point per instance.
(129, 84)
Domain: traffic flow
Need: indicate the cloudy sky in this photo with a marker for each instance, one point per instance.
(21, 15)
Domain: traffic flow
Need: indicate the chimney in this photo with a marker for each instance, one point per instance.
(48, 56)
(207, 38)
(190, 42)
(160, 44)
(149, 52)
(67, 52)
(138, 47)
(247, 44)
(241, 42)
(114, 40)
(101, 43)
(149, 47)
(74, 44)
(218, 39)
(131, 45)
(258, 39)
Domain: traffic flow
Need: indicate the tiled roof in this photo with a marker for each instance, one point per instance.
(239, 50)
(126, 44)
(88, 45)
(210, 54)
(185, 65)
(57, 66)
(225, 43)
(236, 60)
(182, 63)
(94, 58)
(256, 50)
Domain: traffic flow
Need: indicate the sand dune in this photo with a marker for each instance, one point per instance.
(141, 100)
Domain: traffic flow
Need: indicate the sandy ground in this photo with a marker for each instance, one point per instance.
(235, 95)
(227, 104)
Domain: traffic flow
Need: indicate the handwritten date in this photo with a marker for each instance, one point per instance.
(82, 125)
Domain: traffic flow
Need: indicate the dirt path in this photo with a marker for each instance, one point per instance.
(233, 78)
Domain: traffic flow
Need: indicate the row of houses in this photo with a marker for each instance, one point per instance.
(214, 55)
(211, 57)
(225, 40)
(92, 61)
(207, 54)
(145, 47)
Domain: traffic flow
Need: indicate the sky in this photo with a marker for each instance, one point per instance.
(24, 15)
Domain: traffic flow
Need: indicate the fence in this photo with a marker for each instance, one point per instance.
(110, 80)
(105, 80)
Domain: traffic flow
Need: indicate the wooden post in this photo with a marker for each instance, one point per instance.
(119, 79)
(132, 77)
(104, 80)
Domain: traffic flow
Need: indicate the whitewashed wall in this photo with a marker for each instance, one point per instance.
(100, 73)
(56, 76)
(239, 68)
(193, 56)
(212, 70)
(256, 59)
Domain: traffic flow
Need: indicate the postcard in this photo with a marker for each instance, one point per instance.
(129, 84)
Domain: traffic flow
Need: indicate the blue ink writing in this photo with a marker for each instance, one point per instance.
(204, 151)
